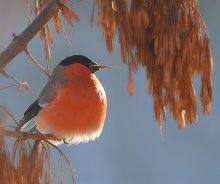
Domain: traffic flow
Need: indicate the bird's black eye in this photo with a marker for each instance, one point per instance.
(93, 67)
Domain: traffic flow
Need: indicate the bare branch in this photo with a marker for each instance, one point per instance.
(19, 43)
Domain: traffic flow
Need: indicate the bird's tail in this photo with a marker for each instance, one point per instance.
(22, 123)
(30, 113)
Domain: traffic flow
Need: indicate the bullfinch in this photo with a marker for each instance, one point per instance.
(72, 105)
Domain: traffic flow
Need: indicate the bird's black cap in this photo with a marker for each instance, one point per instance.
(83, 60)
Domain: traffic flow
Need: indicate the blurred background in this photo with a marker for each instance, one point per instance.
(130, 149)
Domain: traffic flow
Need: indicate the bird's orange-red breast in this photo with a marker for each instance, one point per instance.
(73, 104)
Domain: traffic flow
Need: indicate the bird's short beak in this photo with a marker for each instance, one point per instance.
(102, 66)
(95, 67)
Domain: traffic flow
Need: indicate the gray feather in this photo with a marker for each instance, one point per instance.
(48, 93)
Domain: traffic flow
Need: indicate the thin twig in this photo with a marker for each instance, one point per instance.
(9, 113)
(64, 156)
(92, 15)
(36, 62)
(29, 11)
(65, 35)
(10, 86)
(77, 1)
(21, 85)
(41, 142)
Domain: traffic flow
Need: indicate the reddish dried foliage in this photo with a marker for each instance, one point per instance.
(21, 168)
(166, 37)
(29, 164)
(45, 32)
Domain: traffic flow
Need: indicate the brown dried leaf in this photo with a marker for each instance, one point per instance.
(43, 33)
(114, 5)
(37, 7)
(109, 43)
(73, 14)
(156, 45)
(47, 52)
(177, 38)
(66, 15)
(130, 82)
(69, 14)
(181, 120)
(65, 35)
(49, 34)
(56, 22)
(145, 19)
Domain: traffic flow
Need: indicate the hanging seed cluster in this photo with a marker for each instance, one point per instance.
(170, 39)
(45, 33)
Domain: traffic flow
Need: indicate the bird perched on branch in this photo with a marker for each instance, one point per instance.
(72, 105)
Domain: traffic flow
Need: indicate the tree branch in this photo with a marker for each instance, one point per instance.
(25, 135)
(19, 43)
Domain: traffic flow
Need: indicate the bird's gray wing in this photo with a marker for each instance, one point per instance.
(47, 94)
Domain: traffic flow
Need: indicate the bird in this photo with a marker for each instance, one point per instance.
(72, 105)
